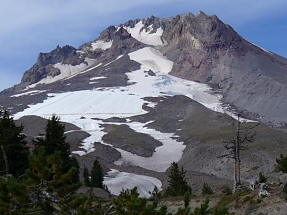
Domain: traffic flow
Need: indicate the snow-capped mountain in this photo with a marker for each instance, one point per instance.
(153, 91)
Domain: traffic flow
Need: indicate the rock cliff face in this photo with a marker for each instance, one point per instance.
(206, 50)
(45, 61)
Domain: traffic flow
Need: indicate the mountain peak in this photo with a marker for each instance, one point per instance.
(202, 49)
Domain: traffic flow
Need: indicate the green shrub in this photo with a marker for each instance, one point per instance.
(262, 178)
(206, 190)
(227, 190)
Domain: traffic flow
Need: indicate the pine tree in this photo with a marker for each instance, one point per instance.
(177, 183)
(55, 140)
(206, 189)
(86, 175)
(97, 176)
(49, 185)
(262, 178)
(282, 163)
(14, 152)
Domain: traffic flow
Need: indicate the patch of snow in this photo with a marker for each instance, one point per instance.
(170, 151)
(33, 92)
(114, 60)
(116, 181)
(100, 44)
(144, 36)
(261, 48)
(152, 59)
(86, 70)
(97, 78)
(80, 52)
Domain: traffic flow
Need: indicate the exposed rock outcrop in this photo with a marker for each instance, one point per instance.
(45, 61)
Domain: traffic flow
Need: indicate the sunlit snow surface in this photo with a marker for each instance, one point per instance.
(32, 92)
(116, 181)
(80, 107)
(100, 44)
(144, 36)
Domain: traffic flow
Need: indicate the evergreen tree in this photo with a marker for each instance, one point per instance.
(14, 152)
(86, 175)
(49, 185)
(282, 163)
(177, 184)
(55, 140)
(262, 178)
(206, 189)
(97, 176)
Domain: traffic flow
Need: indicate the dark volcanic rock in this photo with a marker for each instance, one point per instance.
(121, 136)
(124, 43)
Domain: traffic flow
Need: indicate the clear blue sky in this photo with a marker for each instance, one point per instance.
(32, 26)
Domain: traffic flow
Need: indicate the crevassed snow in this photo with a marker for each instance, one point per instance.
(146, 36)
(100, 44)
(116, 181)
(32, 92)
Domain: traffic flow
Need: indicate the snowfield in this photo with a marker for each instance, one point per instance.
(116, 181)
(146, 36)
(80, 107)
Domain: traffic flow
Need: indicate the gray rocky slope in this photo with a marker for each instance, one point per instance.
(203, 49)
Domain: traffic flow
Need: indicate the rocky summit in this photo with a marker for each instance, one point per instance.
(156, 90)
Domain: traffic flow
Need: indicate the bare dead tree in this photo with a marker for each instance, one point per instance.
(243, 136)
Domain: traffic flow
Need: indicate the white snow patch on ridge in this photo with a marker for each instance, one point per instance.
(116, 181)
(32, 92)
(100, 44)
(152, 59)
(144, 36)
(97, 78)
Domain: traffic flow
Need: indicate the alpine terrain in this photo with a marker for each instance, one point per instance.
(154, 91)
